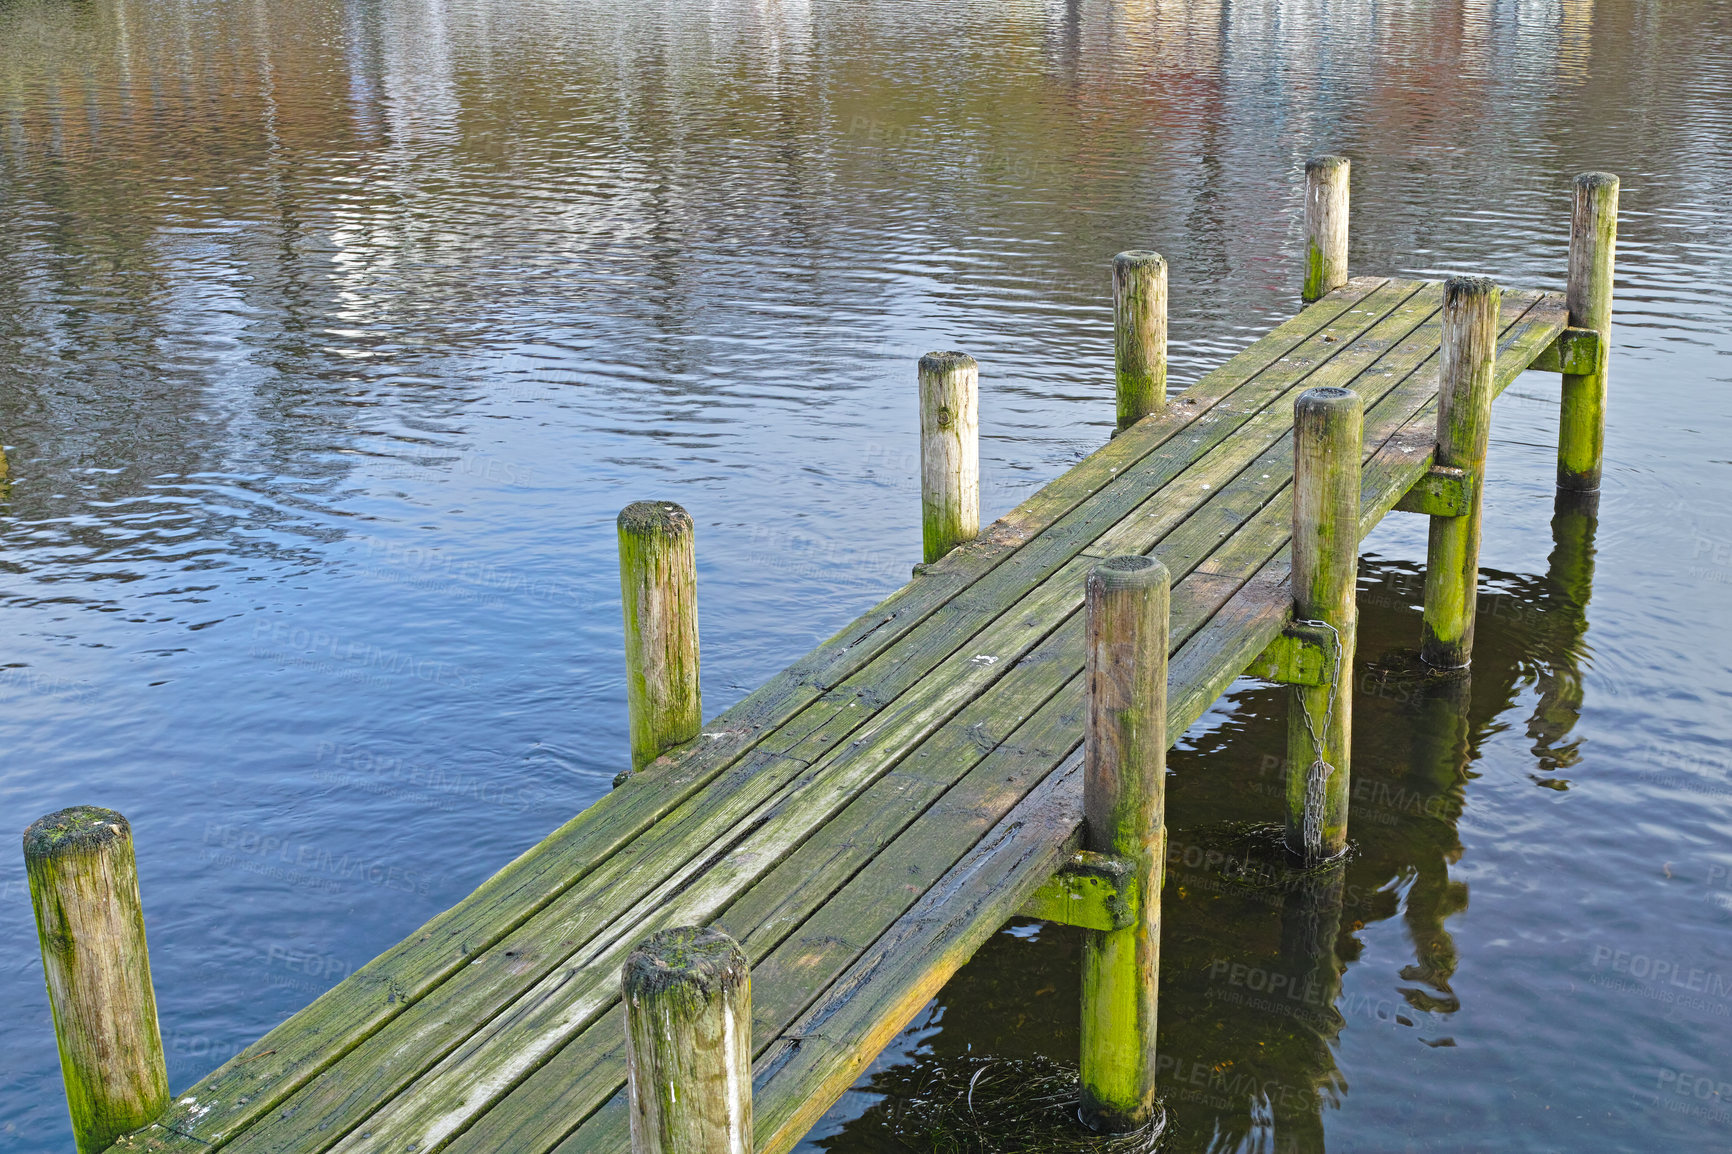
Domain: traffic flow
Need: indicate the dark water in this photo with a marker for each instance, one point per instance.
(333, 335)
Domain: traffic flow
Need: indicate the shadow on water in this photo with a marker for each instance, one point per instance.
(1257, 966)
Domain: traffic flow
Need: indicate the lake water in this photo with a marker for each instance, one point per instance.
(333, 335)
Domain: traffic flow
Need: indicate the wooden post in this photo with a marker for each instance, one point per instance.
(1328, 440)
(658, 585)
(1140, 334)
(688, 998)
(84, 886)
(949, 452)
(1326, 179)
(1593, 241)
(1469, 357)
(1124, 804)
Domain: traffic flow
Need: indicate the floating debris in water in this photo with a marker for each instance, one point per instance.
(980, 1105)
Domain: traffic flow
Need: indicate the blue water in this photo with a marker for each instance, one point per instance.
(333, 336)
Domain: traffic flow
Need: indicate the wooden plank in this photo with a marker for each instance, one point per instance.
(1440, 492)
(589, 1070)
(1092, 891)
(833, 1042)
(1574, 351)
(259, 1079)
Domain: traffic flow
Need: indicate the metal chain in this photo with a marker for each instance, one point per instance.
(1318, 774)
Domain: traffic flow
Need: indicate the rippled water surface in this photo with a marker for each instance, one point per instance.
(333, 335)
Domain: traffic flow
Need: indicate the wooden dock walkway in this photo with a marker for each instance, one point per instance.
(866, 820)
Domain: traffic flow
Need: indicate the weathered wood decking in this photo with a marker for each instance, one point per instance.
(863, 822)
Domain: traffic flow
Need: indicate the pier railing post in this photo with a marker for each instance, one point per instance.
(949, 452)
(658, 587)
(1326, 181)
(1593, 243)
(1124, 803)
(1469, 360)
(1328, 440)
(84, 886)
(688, 1001)
(1139, 334)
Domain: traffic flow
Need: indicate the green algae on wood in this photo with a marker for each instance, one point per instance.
(1593, 247)
(84, 887)
(1443, 492)
(1094, 891)
(1576, 351)
(949, 452)
(1469, 367)
(1139, 334)
(688, 997)
(1328, 438)
(1326, 185)
(1124, 814)
(1301, 655)
(659, 590)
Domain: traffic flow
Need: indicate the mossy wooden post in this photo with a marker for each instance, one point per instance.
(949, 452)
(84, 885)
(1468, 361)
(1140, 334)
(688, 998)
(1328, 438)
(1124, 804)
(1593, 243)
(658, 585)
(1326, 180)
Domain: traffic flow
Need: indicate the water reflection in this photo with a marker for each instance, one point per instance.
(324, 320)
(1255, 952)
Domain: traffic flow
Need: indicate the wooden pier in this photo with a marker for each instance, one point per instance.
(861, 824)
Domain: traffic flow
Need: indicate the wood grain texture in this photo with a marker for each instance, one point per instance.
(1469, 366)
(1326, 199)
(832, 1042)
(1124, 814)
(1329, 441)
(84, 888)
(688, 998)
(1139, 334)
(949, 452)
(658, 583)
(1593, 251)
